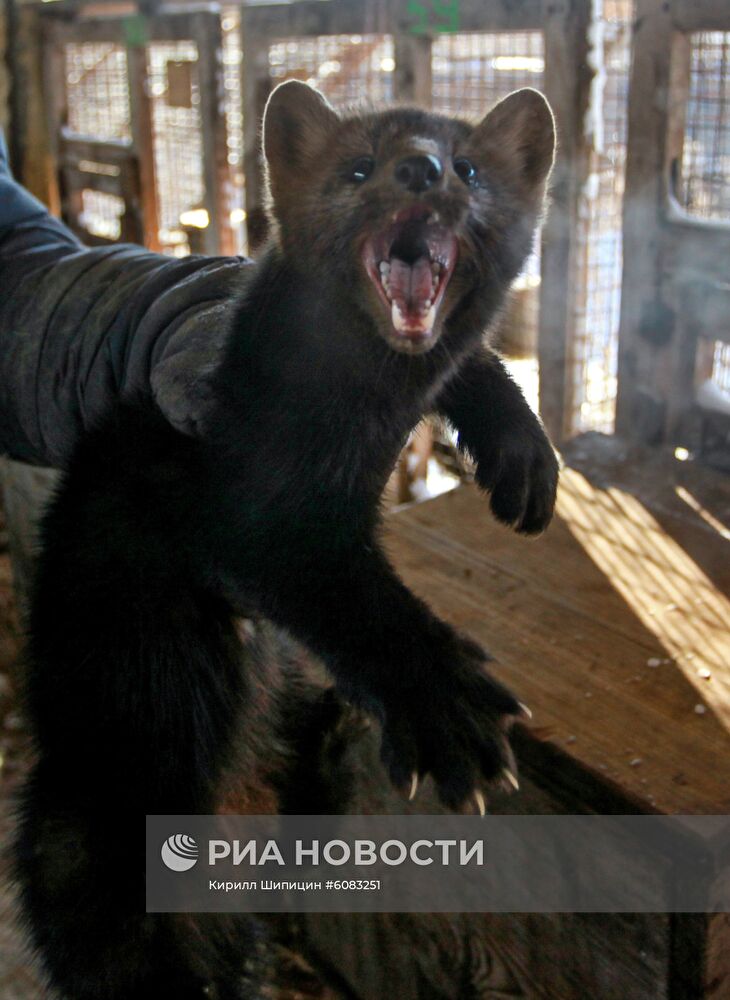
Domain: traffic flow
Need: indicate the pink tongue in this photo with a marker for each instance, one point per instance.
(410, 284)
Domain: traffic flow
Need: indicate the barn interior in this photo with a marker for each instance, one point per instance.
(140, 122)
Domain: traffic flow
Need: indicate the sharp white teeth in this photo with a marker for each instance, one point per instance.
(384, 267)
(426, 319)
(397, 318)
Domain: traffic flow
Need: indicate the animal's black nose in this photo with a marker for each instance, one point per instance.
(418, 173)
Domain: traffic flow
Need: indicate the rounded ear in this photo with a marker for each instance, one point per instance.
(523, 128)
(297, 123)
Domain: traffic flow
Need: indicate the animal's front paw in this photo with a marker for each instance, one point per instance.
(520, 472)
(452, 725)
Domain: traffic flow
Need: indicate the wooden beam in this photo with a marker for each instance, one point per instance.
(646, 322)
(701, 15)
(412, 82)
(256, 86)
(428, 17)
(81, 30)
(55, 101)
(567, 86)
(142, 140)
(89, 148)
(312, 17)
(218, 235)
(33, 166)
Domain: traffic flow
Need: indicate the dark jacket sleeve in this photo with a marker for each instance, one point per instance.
(79, 327)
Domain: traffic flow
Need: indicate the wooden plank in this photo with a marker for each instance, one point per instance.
(218, 235)
(429, 18)
(677, 384)
(55, 101)
(567, 85)
(256, 86)
(76, 148)
(595, 626)
(76, 179)
(29, 139)
(142, 139)
(311, 17)
(645, 326)
(412, 81)
(83, 30)
(701, 15)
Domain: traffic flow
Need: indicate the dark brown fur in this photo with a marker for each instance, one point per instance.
(139, 690)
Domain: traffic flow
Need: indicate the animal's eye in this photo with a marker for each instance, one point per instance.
(466, 170)
(361, 169)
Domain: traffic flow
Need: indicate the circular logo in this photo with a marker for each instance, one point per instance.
(179, 853)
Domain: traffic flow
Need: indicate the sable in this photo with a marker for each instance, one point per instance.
(395, 238)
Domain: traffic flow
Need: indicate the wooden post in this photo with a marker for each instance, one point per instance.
(256, 86)
(55, 101)
(218, 235)
(645, 325)
(567, 86)
(143, 137)
(33, 166)
(412, 75)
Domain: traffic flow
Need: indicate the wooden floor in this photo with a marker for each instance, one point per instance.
(614, 627)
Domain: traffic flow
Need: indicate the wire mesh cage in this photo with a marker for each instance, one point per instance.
(594, 350)
(101, 214)
(233, 109)
(721, 366)
(705, 184)
(97, 90)
(472, 71)
(172, 82)
(705, 187)
(346, 68)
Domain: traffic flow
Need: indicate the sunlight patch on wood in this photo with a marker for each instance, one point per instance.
(663, 586)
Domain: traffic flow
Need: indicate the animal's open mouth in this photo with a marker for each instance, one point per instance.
(410, 264)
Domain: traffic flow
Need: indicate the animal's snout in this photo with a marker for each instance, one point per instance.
(419, 173)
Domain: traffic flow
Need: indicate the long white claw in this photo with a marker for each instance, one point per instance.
(481, 804)
(511, 778)
(525, 709)
(414, 787)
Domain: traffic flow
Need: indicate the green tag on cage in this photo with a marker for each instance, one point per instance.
(433, 16)
(135, 30)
